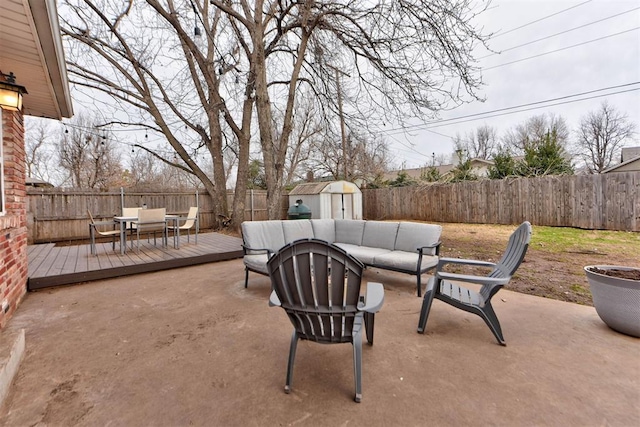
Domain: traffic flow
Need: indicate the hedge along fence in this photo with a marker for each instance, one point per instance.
(55, 214)
(605, 201)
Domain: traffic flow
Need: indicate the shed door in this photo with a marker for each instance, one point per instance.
(342, 206)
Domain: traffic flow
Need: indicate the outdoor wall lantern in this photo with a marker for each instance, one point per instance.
(10, 92)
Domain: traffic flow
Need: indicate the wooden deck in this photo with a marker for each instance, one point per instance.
(50, 265)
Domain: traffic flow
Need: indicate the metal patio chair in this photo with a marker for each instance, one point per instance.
(151, 221)
(190, 221)
(318, 286)
(441, 286)
(94, 228)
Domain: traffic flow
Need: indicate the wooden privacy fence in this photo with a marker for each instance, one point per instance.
(606, 201)
(55, 214)
(609, 202)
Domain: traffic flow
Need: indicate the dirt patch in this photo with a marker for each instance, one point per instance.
(545, 272)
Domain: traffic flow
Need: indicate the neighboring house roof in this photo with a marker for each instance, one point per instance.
(629, 153)
(631, 165)
(416, 173)
(31, 48)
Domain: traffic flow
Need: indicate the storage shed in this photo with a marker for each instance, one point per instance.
(332, 199)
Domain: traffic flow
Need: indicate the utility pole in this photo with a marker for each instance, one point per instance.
(342, 126)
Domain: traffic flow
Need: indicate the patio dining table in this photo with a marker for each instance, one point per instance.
(123, 220)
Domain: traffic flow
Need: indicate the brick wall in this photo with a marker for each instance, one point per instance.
(13, 224)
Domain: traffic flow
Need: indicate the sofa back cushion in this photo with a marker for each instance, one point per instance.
(379, 234)
(412, 235)
(349, 231)
(297, 229)
(263, 234)
(324, 229)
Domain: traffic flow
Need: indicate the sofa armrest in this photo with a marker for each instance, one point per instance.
(435, 246)
(250, 251)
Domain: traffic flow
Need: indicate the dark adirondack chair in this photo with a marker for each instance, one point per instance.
(318, 286)
(442, 287)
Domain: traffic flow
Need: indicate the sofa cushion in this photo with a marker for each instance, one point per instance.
(407, 261)
(362, 253)
(348, 248)
(257, 262)
(324, 229)
(298, 229)
(378, 234)
(412, 235)
(349, 231)
(263, 234)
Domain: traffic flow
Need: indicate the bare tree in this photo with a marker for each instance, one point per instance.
(398, 59)
(601, 135)
(383, 59)
(480, 144)
(39, 150)
(141, 174)
(308, 130)
(533, 131)
(89, 155)
(368, 157)
(180, 84)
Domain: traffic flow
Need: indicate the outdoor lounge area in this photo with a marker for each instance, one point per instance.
(192, 346)
(126, 330)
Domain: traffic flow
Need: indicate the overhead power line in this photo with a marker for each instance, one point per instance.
(540, 19)
(559, 50)
(476, 116)
(560, 33)
(535, 108)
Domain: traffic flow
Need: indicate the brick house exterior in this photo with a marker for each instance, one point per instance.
(13, 224)
(33, 60)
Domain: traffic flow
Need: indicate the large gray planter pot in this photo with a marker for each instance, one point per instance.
(617, 301)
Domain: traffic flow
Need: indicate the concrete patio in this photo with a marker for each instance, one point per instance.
(192, 346)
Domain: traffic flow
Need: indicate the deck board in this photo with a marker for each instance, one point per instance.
(37, 255)
(50, 265)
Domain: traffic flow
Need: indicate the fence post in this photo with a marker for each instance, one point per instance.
(251, 198)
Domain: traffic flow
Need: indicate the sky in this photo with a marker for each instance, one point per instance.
(598, 48)
(598, 55)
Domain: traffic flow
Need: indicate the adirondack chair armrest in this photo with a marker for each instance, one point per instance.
(471, 262)
(274, 301)
(373, 298)
(481, 280)
(251, 251)
(435, 246)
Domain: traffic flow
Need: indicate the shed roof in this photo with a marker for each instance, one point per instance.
(309, 188)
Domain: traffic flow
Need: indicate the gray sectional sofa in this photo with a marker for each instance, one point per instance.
(407, 247)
